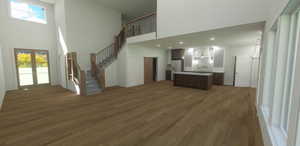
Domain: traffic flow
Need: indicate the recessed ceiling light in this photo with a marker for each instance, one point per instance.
(180, 42)
(158, 45)
(212, 38)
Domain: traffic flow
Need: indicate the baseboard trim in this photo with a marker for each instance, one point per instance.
(2, 100)
(228, 84)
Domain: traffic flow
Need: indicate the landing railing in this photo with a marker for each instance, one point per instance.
(141, 25)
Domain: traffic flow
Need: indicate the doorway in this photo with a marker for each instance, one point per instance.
(246, 71)
(32, 67)
(150, 70)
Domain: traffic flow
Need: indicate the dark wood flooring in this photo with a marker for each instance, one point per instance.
(157, 114)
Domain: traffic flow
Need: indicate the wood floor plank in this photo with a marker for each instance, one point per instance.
(157, 114)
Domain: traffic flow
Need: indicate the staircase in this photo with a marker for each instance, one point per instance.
(93, 81)
(101, 60)
(92, 86)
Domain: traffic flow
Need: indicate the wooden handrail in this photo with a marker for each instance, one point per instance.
(105, 48)
(82, 83)
(141, 17)
(77, 75)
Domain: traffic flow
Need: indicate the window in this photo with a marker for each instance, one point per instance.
(28, 12)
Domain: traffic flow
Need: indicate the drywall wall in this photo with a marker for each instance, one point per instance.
(111, 75)
(177, 17)
(2, 79)
(90, 27)
(230, 54)
(135, 63)
(141, 38)
(116, 73)
(16, 33)
(61, 41)
(122, 66)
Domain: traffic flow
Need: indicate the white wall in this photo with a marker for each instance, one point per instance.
(128, 69)
(135, 63)
(231, 52)
(177, 17)
(90, 27)
(111, 75)
(61, 42)
(23, 34)
(2, 79)
(122, 64)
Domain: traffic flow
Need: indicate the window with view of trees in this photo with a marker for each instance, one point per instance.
(24, 11)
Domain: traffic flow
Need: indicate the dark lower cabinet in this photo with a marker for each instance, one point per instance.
(168, 75)
(218, 79)
(193, 81)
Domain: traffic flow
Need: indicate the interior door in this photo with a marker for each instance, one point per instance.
(32, 67)
(148, 70)
(243, 71)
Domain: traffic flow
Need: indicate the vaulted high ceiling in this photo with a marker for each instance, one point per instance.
(131, 8)
(49, 1)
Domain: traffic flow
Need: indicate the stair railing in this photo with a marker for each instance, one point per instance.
(75, 73)
(103, 58)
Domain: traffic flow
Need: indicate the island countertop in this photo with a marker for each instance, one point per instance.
(194, 73)
(193, 80)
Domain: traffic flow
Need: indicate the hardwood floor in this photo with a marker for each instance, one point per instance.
(151, 115)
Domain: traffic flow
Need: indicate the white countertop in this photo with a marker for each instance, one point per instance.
(192, 73)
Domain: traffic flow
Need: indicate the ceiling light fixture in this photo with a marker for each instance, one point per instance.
(212, 38)
(181, 43)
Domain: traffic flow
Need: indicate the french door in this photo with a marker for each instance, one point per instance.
(32, 67)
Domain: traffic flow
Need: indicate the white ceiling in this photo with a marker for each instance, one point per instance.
(48, 1)
(226, 37)
(131, 8)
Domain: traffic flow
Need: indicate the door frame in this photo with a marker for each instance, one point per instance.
(155, 68)
(34, 73)
(236, 69)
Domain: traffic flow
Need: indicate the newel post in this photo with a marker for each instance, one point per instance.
(82, 84)
(93, 64)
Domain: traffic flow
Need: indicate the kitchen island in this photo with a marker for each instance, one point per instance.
(202, 81)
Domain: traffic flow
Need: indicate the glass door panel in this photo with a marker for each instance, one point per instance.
(24, 67)
(42, 67)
